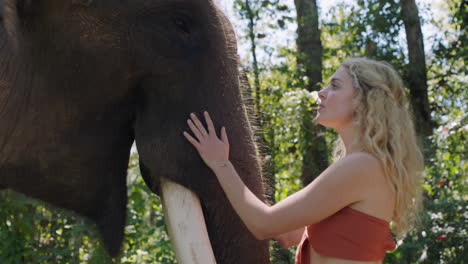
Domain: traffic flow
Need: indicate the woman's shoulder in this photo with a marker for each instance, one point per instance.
(361, 159)
(350, 180)
(378, 197)
(362, 163)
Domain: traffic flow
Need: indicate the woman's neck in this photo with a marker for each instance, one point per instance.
(348, 135)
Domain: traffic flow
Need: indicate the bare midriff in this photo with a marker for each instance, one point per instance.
(316, 258)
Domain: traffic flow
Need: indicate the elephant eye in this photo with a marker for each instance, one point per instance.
(182, 25)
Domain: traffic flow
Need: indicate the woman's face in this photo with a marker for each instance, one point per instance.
(337, 101)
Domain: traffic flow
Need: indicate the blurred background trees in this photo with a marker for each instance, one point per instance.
(289, 49)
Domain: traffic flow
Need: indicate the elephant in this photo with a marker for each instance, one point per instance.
(81, 80)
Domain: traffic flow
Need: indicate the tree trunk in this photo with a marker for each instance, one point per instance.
(309, 60)
(416, 71)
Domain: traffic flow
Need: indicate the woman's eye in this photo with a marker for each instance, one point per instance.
(334, 87)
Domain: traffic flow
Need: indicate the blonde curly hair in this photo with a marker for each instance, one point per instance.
(387, 132)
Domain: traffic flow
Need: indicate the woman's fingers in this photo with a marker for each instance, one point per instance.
(224, 137)
(192, 140)
(195, 130)
(200, 132)
(199, 125)
(209, 122)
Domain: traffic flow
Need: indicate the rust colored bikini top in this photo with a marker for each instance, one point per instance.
(348, 234)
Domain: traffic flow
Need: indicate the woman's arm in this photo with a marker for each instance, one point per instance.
(290, 239)
(343, 183)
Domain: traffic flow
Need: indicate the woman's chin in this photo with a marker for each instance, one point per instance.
(321, 121)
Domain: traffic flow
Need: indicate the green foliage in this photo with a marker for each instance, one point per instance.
(441, 235)
(284, 106)
(275, 11)
(32, 233)
(35, 232)
(369, 28)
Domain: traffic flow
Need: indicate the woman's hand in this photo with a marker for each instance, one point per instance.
(213, 151)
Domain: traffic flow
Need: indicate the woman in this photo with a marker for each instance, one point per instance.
(343, 216)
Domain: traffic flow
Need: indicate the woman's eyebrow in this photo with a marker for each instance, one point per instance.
(336, 79)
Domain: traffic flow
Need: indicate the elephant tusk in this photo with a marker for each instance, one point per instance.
(186, 224)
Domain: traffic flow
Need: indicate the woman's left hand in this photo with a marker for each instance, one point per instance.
(213, 151)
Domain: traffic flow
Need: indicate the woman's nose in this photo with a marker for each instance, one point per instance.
(321, 94)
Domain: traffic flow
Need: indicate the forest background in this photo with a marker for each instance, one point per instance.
(289, 49)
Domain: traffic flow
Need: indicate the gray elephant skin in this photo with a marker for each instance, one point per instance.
(81, 80)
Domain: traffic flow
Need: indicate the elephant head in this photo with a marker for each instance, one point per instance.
(81, 80)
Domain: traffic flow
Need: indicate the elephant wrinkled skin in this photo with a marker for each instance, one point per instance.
(81, 80)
